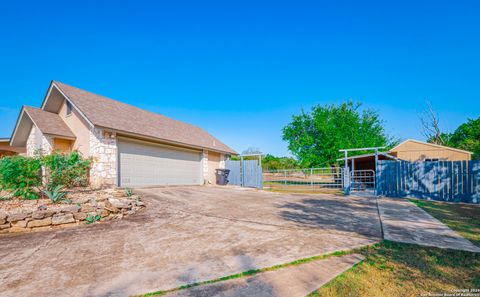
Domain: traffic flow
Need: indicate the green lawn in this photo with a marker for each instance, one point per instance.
(463, 218)
(397, 269)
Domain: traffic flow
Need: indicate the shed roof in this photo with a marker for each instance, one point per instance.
(428, 144)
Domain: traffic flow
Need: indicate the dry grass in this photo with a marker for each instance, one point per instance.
(397, 269)
(463, 218)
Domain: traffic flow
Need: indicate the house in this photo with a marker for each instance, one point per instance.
(130, 146)
(7, 150)
(410, 150)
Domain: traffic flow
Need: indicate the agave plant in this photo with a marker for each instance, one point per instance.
(128, 192)
(56, 195)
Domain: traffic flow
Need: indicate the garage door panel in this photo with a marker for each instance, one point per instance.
(143, 164)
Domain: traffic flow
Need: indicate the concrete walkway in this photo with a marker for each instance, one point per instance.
(299, 280)
(403, 221)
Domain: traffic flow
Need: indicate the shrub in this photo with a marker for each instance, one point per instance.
(69, 170)
(21, 176)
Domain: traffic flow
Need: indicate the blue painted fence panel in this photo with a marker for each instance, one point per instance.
(234, 177)
(246, 173)
(457, 181)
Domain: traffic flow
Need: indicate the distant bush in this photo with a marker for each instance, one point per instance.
(66, 169)
(21, 176)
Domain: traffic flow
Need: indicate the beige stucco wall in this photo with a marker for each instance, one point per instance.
(79, 127)
(414, 151)
(213, 163)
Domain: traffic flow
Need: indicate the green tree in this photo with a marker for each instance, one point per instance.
(270, 162)
(316, 137)
(467, 137)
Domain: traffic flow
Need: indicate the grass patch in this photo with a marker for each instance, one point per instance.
(399, 269)
(252, 272)
(463, 218)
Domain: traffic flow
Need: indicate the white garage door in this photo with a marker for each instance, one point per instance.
(145, 164)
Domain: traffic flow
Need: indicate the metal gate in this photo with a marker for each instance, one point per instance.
(305, 179)
(362, 180)
(245, 173)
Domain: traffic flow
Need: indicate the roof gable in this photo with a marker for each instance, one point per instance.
(396, 148)
(111, 114)
(48, 123)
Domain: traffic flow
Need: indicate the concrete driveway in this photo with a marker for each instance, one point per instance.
(186, 235)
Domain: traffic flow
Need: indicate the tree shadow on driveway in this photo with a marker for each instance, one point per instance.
(335, 214)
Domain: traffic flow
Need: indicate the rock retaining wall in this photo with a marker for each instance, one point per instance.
(69, 214)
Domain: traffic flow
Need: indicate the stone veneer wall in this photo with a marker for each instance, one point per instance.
(103, 149)
(37, 141)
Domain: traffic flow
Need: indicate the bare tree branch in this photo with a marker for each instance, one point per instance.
(431, 125)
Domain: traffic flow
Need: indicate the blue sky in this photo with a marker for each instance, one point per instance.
(240, 69)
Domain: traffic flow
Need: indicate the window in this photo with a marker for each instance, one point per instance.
(69, 108)
(432, 160)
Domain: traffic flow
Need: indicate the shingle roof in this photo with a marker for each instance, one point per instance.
(108, 113)
(48, 122)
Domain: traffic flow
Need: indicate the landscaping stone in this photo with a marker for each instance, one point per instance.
(118, 194)
(20, 224)
(5, 226)
(119, 203)
(58, 219)
(3, 217)
(69, 208)
(80, 216)
(17, 216)
(16, 229)
(40, 214)
(43, 228)
(87, 208)
(40, 223)
(139, 203)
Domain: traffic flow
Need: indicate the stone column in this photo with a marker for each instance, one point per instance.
(103, 149)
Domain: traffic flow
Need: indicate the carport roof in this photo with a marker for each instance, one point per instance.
(367, 156)
(121, 117)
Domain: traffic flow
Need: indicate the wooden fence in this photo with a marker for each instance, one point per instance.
(457, 181)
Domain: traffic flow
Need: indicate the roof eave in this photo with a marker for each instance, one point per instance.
(431, 144)
(17, 123)
(47, 96)
(123, 132)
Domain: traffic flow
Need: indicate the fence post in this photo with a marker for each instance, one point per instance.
(346, 177)
(311, 178)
